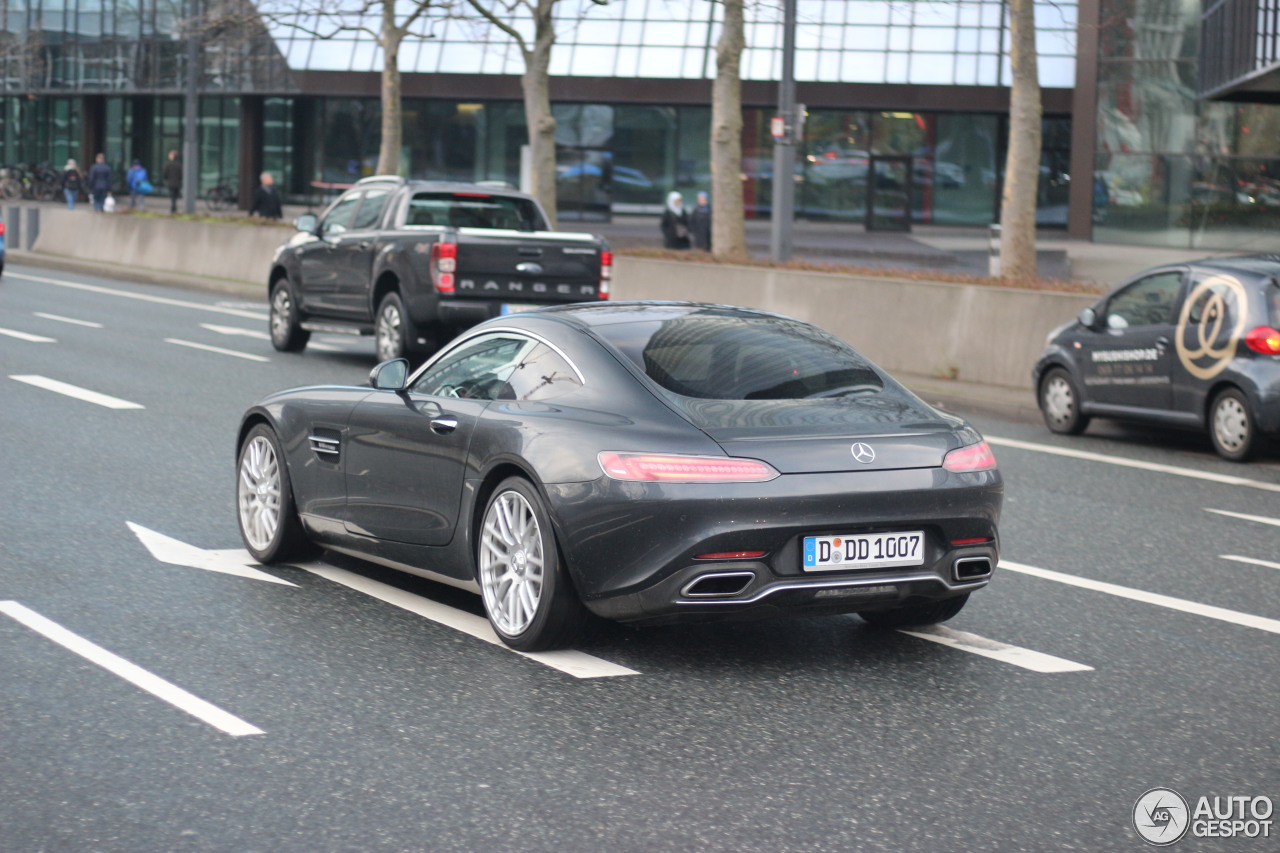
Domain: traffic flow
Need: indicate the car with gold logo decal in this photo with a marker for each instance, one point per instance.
(1192, 345)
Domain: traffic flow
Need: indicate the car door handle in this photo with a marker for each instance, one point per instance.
(1162, 343)
(366, 244)
(444, 425)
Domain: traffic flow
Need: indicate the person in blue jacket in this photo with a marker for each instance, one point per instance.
(139, 185)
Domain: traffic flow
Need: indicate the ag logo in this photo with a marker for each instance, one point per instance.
(1161, 816)
(1215, 300)
(863, 453)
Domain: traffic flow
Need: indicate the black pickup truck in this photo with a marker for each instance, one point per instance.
(415, 262)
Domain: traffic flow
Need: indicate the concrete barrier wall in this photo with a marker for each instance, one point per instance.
(981, 334)
(955, 331)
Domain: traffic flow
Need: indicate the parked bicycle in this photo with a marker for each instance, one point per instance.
(11, 182)
(221, 197)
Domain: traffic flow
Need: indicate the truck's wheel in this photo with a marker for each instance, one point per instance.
(391, 329)
(287, 334)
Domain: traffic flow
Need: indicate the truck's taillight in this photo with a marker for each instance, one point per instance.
(1263, 339)
(606, 273)
(1, 229)
(444, 263)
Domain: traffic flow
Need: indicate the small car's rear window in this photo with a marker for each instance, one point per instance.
(474, 210)
(716, 356)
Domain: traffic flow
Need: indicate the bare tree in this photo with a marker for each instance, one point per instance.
(389, 22)
(728, 233)
(1022, 166)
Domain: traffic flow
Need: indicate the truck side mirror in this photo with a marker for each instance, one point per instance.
(1088, 317)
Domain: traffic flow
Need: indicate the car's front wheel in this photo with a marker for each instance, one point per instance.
(1060, 403)
(917, 614)
(269, 523)
(287, 334)
(1231, 426)
(391, 329)
(528, 597)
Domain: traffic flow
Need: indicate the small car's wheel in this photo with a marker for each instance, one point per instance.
(528, 597)
(391, 329)
(917, 614)
(1060, 403)
(1231, 426)
(287, 334)
(269, 523)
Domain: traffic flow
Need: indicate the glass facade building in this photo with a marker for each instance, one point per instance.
(902, 95)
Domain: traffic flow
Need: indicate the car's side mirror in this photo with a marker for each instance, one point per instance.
(1088, 317)
(307, 222)
(390, 375)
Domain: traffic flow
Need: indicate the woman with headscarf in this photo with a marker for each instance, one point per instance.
(72, 183)
(675, 223)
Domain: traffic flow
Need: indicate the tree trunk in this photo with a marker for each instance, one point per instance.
(1022, 167)
(537, 109)
(728, 235)
(392, 125)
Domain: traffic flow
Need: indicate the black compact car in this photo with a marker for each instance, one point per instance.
(1190, 345)
(646, 462)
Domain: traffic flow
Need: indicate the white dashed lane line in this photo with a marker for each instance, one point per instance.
(60, 319)
(260, 335)
(134, 674)
(27, 336)
(1253, 561)
(76, 392)
(143, 297)
(219, 350)
(1260, 519)
(1003, 652)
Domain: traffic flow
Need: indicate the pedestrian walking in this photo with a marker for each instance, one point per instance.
(700, 223)
(675, 223)
(99, 180)
(266, 199)
(173, 179)
(139, 185)
(72, 183)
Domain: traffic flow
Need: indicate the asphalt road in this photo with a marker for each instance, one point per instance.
(159, 693)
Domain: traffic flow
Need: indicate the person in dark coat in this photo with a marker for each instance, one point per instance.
(173, 179)
(99, 180)
(675, 223)
(700, 224)
(266, 199)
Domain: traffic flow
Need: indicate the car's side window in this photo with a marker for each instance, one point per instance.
(338, 219)
(370, 209)
(541, 374)
(1149, 301)
(477, 370)
(1212, 301)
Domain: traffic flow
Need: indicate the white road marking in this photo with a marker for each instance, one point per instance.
(260, 335)
(1025, 658)
(1253, 561)
(1228, 479)
(77, 392)
(70, 320)
(175, 552)
(1261, 519)
(1235, 617)
(575, 663)
(134, 674)
(144, 297)
(218, 350)
(28, 337)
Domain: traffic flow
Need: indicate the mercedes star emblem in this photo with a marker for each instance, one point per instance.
(863, 453)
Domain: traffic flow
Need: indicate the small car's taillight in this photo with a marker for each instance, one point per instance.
(606, 273)
(649, 467)
(968, 460)
(1, 229)
(1264, 340)
(444, 263)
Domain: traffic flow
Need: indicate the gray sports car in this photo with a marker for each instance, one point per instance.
(645, 462)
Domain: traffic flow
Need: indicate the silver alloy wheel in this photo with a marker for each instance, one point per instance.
(1059, 401)
(1231, 423)
(511, 563)
(259, 492)
(389, 332)
(281, 314)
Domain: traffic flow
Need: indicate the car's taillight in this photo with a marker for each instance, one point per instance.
(1263, 339)
(606, 273)
(731, 555)
(444, 263)
(1, 229)
(648, 467)
(966, 460)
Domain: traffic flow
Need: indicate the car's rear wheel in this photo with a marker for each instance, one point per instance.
(917, 614)
(1060, 403)
(528, 597)
(1231, 426)
(287, 334)
(269, 523)
(391, 329)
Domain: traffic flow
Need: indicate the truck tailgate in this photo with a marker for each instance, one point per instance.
(539, 266)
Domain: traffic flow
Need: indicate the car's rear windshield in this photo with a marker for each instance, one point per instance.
(734, 357)
(473, 210)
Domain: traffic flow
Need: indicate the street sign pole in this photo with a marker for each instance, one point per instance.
(784, 146)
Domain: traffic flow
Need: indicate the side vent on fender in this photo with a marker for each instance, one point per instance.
(326, 444)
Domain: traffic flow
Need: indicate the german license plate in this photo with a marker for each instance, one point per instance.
(515, 308)
(863, 551)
